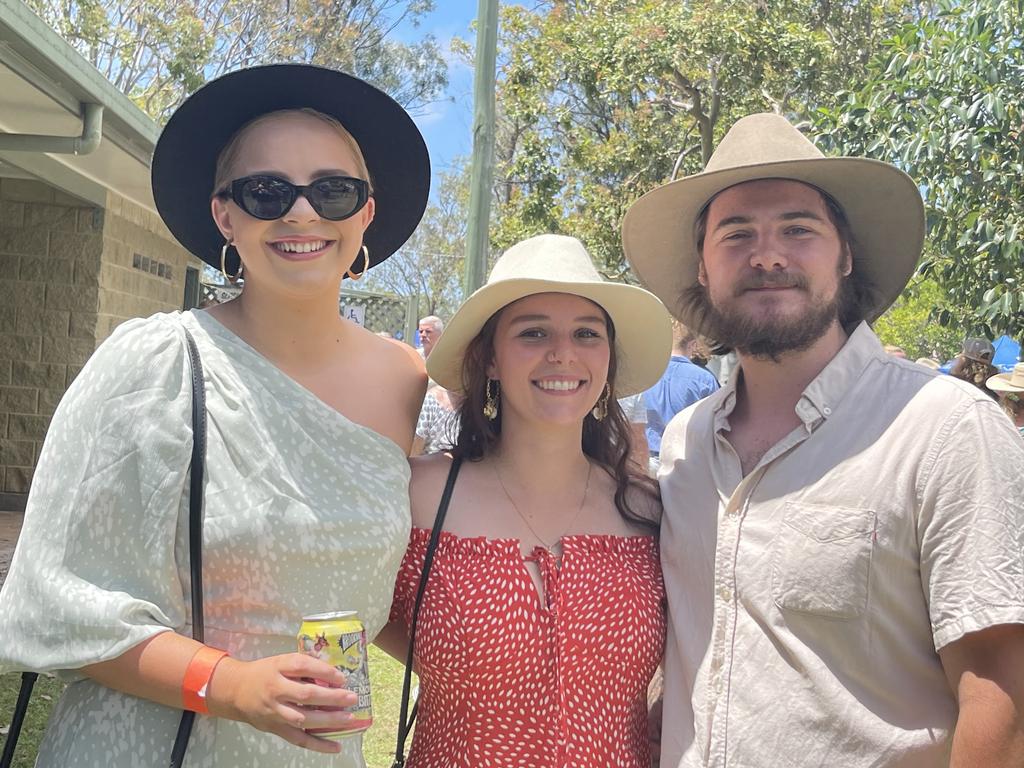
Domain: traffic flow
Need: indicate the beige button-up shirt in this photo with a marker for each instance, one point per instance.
(808, 599)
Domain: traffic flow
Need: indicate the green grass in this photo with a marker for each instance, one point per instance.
(386, 678)
(44, 696)
(378, 743)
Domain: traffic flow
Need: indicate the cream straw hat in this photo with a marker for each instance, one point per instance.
(1008, 382)
(881, 203)
(559, 264)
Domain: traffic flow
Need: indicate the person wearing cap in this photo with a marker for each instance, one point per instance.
(293, 176)
(1009, 387)
(843, 530)
(542, 622)
(974, 364)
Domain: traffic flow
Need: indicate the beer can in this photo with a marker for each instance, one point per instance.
(340, 640)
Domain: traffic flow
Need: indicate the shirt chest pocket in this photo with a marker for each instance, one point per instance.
(822, 560)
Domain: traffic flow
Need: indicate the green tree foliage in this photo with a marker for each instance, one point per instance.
(603, 100)
(158, 51)
(429, 266)
(945, 101)
(909, 324)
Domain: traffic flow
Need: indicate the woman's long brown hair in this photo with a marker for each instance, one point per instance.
(606, 442)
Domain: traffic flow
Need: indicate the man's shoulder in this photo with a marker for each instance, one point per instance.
(922, 409)
(938, 393)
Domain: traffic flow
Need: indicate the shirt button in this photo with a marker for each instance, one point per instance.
(725, 593)
(827, 411)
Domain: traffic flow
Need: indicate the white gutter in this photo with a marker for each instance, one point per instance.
(49, 87)
(92, 135)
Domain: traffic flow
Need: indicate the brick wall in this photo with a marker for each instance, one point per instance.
(50, 249)
(69, 274)
(142, 269)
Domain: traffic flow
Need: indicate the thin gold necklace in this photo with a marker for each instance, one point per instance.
(579, 511)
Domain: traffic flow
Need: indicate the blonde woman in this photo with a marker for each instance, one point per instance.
(293, 177)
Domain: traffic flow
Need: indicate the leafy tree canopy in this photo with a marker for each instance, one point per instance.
(603, 100)
(908, 323)
(429, 266)
(158, 51)
(945, 102)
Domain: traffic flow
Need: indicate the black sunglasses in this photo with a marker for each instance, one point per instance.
(269, 197)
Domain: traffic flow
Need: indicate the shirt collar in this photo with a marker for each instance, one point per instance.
(830, 386)
(726, 400)
(821, 397)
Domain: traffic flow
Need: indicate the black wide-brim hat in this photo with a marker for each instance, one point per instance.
(185, 158)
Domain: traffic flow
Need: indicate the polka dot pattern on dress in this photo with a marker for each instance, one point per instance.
(510, 680)
(305, 511)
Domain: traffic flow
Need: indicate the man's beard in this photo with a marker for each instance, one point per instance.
(768, 334)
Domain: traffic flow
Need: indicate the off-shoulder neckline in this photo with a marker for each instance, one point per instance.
(577, 542)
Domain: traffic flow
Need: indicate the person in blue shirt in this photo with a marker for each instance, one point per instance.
(683, 383)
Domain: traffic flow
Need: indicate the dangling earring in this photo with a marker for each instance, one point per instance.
(224, 264)
(366, 264)
(600, 409)
(490, 401)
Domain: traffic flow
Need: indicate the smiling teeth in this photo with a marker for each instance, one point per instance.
(565, 386)
(309, 247)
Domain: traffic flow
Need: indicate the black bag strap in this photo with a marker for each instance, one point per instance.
(405, 720)
(195, 547)
(28, 679)
(195, 527)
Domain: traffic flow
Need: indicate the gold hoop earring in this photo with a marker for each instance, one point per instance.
(224, 264)
(490, 401)
(600, 409)
(366, 264)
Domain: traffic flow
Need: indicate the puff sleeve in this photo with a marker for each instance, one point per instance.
(95, 570)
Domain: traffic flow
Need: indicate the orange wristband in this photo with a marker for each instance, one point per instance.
(197, 678)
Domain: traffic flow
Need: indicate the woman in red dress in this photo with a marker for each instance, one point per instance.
(543, 618)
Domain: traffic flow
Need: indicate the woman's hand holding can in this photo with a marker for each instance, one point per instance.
(278, 695)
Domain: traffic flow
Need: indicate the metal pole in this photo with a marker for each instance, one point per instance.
(482, 169)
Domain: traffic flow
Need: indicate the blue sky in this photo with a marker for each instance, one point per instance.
(447, 124)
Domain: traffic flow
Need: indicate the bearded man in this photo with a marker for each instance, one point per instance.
(843, 537)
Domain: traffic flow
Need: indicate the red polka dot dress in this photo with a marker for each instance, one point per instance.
(509, 679)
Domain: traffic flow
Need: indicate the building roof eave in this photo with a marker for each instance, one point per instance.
(44, 82)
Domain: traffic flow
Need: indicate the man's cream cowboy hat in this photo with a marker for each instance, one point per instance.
(1008, 382)
(881, 202)
(558, 264)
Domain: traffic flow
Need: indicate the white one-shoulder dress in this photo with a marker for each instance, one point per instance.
(306, 511)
